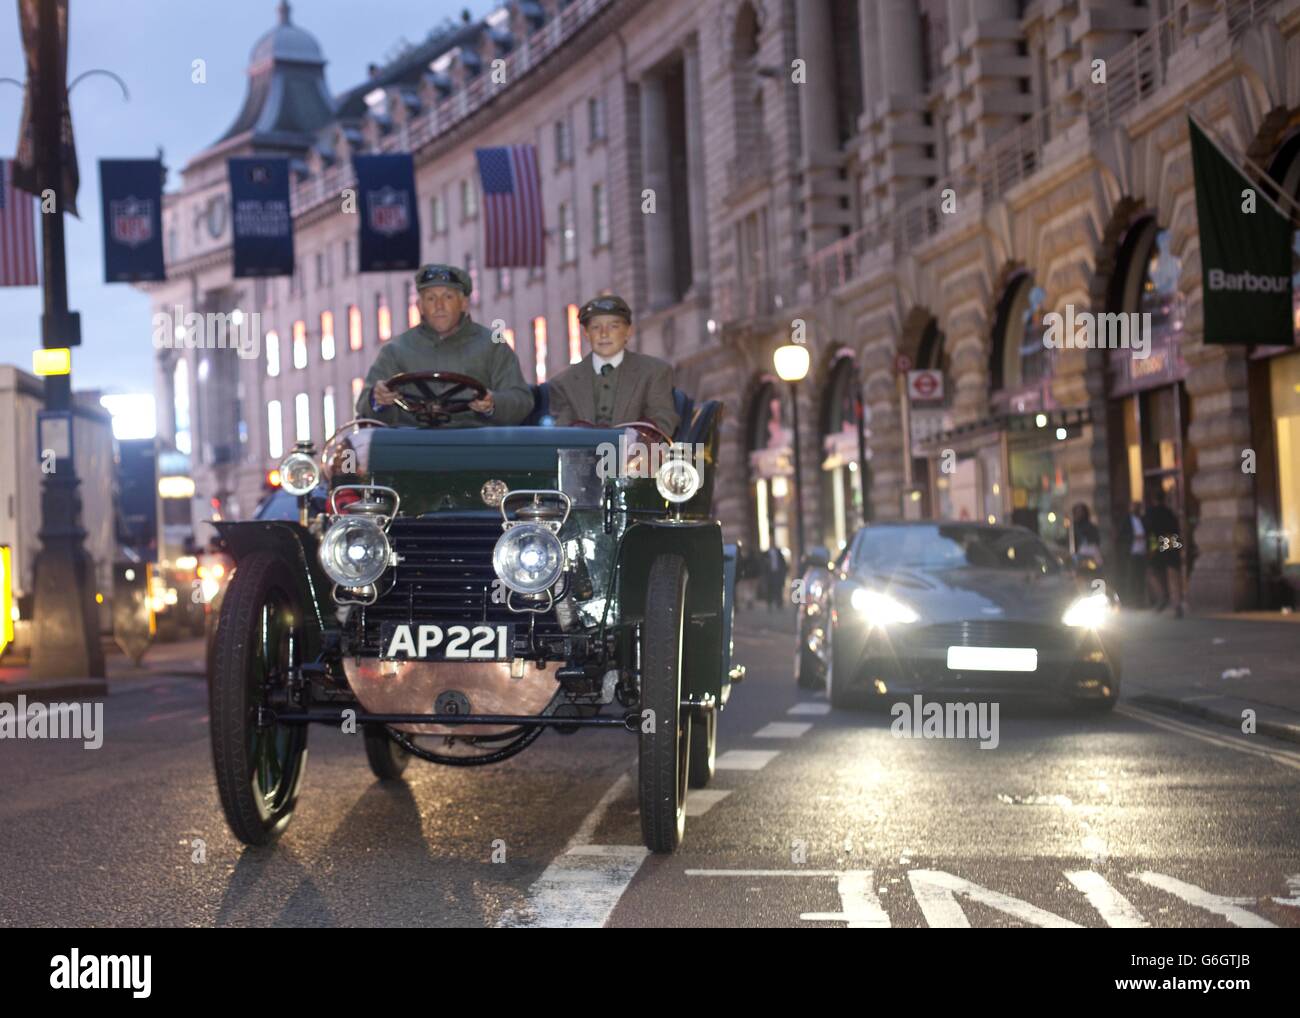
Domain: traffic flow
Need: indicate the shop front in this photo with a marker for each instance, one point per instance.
(771, 467)
(1275, 427)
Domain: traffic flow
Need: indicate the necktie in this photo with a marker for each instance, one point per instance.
(606, 369)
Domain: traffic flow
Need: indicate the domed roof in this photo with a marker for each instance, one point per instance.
(286, 41)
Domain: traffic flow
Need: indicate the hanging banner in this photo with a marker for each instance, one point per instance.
(260, 219)
(390, 227)
(131, 196)
(28, 173)
(1245, 252)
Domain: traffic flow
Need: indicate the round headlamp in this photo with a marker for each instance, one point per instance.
(299, 473)
(529, 558)
(354, 552)
(677, 480)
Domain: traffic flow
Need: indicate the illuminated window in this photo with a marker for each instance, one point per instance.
(327, 411)
(539, 348)
(384, 317)
(300, 344)
(327, 335)
(354, 327)
(575, 334)
(412, 306)
(599, 214)
(510, 337)
(273, 354)
(274, 430)
(302, 417)
(357, 385)
(568, 234)
(181, 405)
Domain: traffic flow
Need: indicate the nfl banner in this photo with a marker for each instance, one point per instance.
(131, 194)
(1245, 251)
(390, 225)
(260, 218)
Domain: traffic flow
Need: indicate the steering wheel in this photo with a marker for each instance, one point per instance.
(434, 409)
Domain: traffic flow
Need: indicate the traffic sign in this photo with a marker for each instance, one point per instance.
(924, 385)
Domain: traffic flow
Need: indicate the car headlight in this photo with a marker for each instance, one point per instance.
(677, 480)
(299, 473)
(529, 558)
(1088, 612)
(881, 609)
(354, 552)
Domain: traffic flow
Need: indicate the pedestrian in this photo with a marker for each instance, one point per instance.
(1131, 542)
(1087, 540)
(776, 569)
(1165, 559)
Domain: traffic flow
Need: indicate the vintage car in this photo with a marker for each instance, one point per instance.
(462, 589)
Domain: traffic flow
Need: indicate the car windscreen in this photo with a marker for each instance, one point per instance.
(951, 547)
(278, 505)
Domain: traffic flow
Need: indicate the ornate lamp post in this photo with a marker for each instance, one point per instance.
(791, 362)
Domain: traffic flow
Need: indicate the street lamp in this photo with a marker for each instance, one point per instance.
(791, 362)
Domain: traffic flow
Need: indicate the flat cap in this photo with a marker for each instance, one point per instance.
(444, 275)
(607, 305)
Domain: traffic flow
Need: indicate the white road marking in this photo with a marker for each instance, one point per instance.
(783, 730)
(1115, 909)
(936, 892)
(582, 885)
(745, 760)
(807, 708)
(862, 909)
(1228, 907)
(701, 800)
(763, 873)
(1281, 756)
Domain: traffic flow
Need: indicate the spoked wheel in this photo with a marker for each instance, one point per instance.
(704, 748)
(259, 642)
(387, 759)
(664, 763)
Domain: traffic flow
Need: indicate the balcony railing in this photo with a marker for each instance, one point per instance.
(1132, 75)
(462, 103)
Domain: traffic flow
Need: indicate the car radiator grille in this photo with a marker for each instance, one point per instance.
(991, 633)
(444, 577)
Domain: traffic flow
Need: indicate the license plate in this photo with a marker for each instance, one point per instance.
(993, 659)
(412, 641)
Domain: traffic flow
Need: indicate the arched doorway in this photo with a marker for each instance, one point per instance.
(771, 466)
(842, 437)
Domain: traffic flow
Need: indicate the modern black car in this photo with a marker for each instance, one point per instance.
(965, 608)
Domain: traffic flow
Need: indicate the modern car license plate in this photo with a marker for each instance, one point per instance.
(993, 659)
(411, 641)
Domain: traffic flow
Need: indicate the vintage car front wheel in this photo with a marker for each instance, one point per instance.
(387, 759)
(259, 768)
(664, 761)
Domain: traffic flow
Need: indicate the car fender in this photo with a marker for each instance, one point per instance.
(295, 545)
(700, 544)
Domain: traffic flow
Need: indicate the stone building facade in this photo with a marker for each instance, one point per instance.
(886, 180)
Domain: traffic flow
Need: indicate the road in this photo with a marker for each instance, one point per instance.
(816, 818)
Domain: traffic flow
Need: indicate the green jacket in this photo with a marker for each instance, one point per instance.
(468, 351)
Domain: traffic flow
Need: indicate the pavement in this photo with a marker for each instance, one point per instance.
(182, 658)
(1213, 667)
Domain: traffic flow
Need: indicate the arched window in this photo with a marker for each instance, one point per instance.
(1020, 357)
(771, 464)
(841, 483)
(1149, 284)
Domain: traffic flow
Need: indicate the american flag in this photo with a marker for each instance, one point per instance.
(17, 232)
(512, 206)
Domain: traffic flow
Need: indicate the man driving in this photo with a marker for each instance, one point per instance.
(613, 385)
(447, 339)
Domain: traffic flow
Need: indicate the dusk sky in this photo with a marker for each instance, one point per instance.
(151, 45)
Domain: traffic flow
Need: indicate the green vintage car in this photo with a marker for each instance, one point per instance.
(456, 591)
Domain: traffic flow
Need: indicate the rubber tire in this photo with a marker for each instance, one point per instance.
(387, 759)
(664, 754)
(232, 706)
(840, 698)
(704, 749)
(807, 669)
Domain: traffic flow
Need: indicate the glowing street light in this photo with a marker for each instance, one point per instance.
(791, 362)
